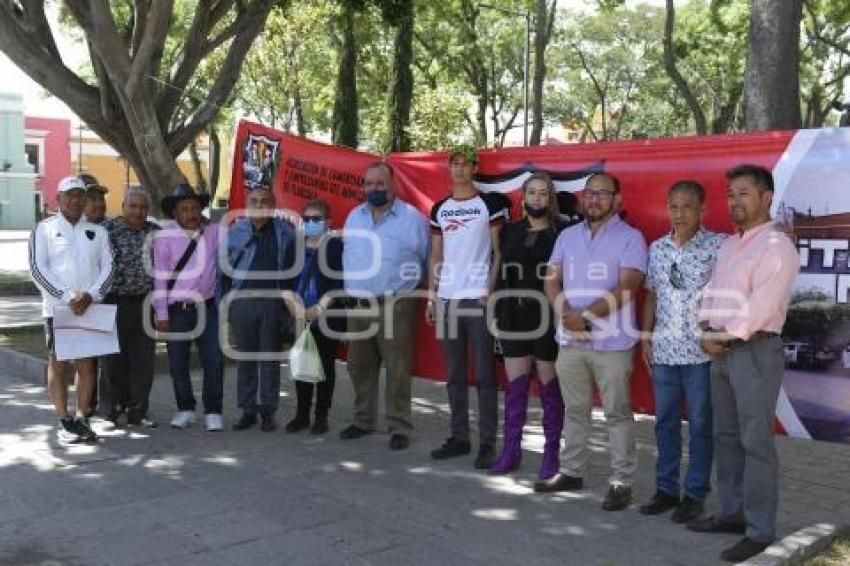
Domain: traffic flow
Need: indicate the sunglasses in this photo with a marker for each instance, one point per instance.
(677, 278)
(313, 218)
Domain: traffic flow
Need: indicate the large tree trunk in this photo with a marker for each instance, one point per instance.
(137, 107)
(345, 124)
(401, 85)
(215, 159)
(542, 33)
(772, 82)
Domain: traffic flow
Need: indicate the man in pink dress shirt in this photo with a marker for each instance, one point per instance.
(184, 302)
(742, 314)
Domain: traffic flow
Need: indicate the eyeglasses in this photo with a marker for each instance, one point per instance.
(598, 195)
(312, 218)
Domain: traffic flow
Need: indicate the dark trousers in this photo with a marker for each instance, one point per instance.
(256, 324)
(460, 334)
(325, 389)
(209, 350)
(130, 372)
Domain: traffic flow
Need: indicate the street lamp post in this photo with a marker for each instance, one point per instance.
(525, 59)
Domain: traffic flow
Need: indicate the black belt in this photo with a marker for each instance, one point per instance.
(190, 305)
(362, 303)
(754, 337)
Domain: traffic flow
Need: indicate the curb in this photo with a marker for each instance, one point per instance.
(26, 366)
(22, 289)
(799, 547)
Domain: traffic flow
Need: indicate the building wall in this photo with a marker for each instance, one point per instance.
(53, 137)
(100, 160)
(17, 179)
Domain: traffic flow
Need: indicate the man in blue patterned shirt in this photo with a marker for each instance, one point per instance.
(680, 265)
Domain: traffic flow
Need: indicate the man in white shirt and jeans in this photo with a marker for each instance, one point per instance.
(71, 263)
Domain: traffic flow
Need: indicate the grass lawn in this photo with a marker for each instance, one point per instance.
(838, 554)
(16, 283)
(29, 340)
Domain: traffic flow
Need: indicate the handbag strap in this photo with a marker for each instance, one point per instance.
(184, 259)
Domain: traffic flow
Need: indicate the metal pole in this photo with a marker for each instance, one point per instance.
(525, 75)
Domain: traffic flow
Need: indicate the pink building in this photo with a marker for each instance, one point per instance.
(48, 146)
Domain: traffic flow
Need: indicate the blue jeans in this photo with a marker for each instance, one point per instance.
(671, 385)
(209, 351)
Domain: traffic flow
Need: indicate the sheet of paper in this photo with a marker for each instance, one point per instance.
(92, 334)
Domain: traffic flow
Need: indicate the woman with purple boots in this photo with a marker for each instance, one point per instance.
(526, 247)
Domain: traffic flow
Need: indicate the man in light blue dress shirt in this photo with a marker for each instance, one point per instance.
(384, 254)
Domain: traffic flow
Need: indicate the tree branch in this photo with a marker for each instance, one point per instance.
(251, 22)
(152, 26)
(681, 84)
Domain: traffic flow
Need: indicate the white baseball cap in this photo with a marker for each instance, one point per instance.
(71, 184)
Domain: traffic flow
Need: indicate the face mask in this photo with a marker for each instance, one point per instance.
(535, 212)
(314, 228)
(377, 198)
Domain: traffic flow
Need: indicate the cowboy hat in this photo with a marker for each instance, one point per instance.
(182, 191)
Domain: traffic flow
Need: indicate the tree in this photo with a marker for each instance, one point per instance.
(673, 71)
(772, 83)
(345, 126)
(704, 56)
(543, 24)
(133, 96)
(601, 63)
(824, 59)
(399, 14)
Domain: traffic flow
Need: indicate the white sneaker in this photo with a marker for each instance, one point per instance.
(213, 422)
(182, 419)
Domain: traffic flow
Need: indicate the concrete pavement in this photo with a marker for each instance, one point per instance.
(190, 497)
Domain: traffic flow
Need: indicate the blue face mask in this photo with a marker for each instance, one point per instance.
(315, 228)
(377, 198)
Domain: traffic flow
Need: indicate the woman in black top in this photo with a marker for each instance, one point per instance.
(322, 273)
(526, 248)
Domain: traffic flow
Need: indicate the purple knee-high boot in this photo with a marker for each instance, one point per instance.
(553, 425)
(516, 404)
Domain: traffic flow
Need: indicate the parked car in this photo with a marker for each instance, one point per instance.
(825, 357)
(799, 354)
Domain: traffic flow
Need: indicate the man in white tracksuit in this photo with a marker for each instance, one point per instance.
(71, 263)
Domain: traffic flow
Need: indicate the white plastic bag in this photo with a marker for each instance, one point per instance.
(305, 364)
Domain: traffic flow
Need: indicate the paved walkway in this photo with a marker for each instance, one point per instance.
(191, 497)
(13, 251)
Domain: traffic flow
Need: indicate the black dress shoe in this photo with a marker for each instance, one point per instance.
(660, 503)
(352, 432)
(688, 510)
(320, 425)
(267, 422)
(399, 441)
(296, 424)
(485, 458)
(716, 524)
(743, 550)
(619, 497)
(559, 482)
(247, 421)
(452, 448)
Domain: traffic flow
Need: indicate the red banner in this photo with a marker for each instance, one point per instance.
(302, 169)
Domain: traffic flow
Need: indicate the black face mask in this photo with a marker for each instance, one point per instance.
(535, 212)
